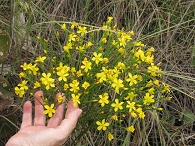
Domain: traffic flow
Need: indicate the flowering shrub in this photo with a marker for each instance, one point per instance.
(104, 68)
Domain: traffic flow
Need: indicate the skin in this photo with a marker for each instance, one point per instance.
(37, 133)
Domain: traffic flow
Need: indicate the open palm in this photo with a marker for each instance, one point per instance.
(37, 133)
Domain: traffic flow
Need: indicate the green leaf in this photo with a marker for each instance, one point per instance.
(3, 81)
(188, 116)
(193, 56)
(4, 94)
(4, 45)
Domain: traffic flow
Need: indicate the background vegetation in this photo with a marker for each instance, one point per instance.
(167, 25)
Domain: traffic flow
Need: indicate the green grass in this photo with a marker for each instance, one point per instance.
(168, 26)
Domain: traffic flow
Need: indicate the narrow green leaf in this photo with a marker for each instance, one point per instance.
(4, 45)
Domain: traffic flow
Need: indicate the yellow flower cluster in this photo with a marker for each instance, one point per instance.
(103, 66)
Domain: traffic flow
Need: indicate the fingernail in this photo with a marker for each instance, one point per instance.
(79, 112)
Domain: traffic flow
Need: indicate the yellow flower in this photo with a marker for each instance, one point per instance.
(148, 99)
(122, 41)
(60, 98)
(54, 59)
(130, 128)
(40, 59)
(30, 68)
(74, 86)
(114, 117)
(133, 114)
(22, 74)
(38, 38)
(97, 57)
(121, 51)
(67, 47)
(102, 125)
(130, 106)
(116, 72)
(117, 84)
(139, 77)
(140, 54)
(101, 76)
(115, 43)
(156, 82)
(82, 30)
(132, 79)
(45, 51)
(138, 44)
(49, 110)
(103, 99)
(73, 70)
(63, 73)
(89, 44)
(74, 24)
(117, 105)
(131, 96)
(149, 59)
(23, 85)
(79, 73)
(105, 27)
(81, 48)
(110, 136)
(72, 37)
(45, 40)
(151, 90)
(45, 101)
(154, 70)
(60, 67)
(86, 65)
(140, 113)
(57, 34)
(19, 91)
(150, 51)
(166, 88)
(33, 68)
(104, 40)
(126, 36)
(75, 99)
(85, 85)
(25, 66)
(169, 98)
(46, 80)
(109, 19)
(36, 85)
(120, 66)
(66, 86)
(149, 83)
(105, 60)
(63, 26)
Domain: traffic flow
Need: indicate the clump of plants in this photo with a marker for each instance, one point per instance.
(98, 67)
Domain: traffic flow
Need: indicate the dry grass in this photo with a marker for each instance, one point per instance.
(169, 26)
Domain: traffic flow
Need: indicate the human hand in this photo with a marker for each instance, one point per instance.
(54, 133)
